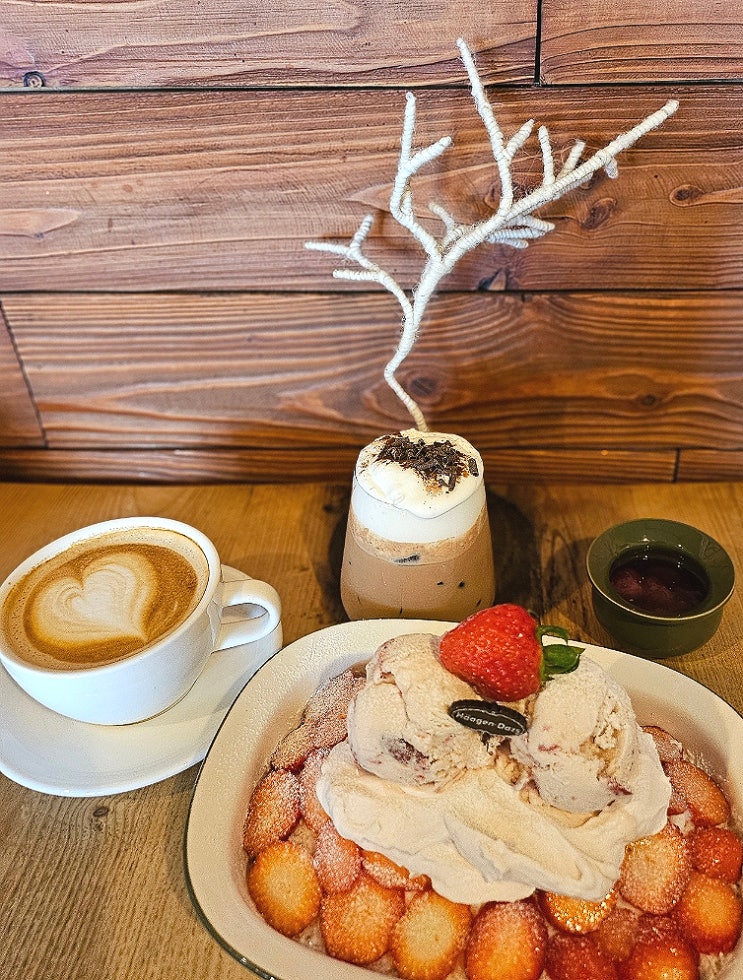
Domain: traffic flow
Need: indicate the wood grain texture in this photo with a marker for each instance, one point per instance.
(94, 888)
(163, 169)
(19, 424)
(255, 529)
(710, 464)
(634, 41)
(153, 44)
(94, 917)
(249, 466)
(265, 372)
(161, 191)
(565, 520)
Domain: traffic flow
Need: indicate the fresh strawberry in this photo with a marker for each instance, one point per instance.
(717, 852)
(710, 913)
(617, 934)
(655, 870)
(667, 746)
(337, 860)
(704, 798)
(660, 957)
(678, 803)
(577, 958)
(575, 914)
(499, 651)
(507, 942)
(273, 811)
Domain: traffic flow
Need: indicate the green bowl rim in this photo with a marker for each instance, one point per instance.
(599, 577)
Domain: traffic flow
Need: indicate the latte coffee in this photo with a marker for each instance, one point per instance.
(104, 598)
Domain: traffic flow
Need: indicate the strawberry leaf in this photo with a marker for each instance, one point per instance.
(557, 658)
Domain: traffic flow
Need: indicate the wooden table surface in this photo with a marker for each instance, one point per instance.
(94, 887)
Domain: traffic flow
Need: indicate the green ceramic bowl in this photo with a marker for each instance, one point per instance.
(659, 587)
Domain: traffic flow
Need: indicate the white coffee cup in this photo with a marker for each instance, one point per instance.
(114, 623)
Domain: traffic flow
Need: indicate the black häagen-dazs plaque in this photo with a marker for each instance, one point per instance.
(488, 717)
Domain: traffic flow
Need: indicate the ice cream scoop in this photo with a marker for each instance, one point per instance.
(582, 744)
(399, 726)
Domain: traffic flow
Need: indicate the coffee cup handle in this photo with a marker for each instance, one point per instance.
(244, 629)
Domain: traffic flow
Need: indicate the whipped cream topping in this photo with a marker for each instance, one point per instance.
(396, 501)
(478, 826)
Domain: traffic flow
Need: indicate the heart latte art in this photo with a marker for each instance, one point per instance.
(110, 601)
(105, 599)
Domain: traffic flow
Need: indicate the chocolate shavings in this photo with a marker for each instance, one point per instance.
(439, 463)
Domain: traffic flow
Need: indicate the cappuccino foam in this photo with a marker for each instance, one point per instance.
(104, 598)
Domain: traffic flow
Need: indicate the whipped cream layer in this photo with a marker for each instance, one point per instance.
(473, 819)
(396, 501)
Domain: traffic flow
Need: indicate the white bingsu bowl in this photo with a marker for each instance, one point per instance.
(271, 704)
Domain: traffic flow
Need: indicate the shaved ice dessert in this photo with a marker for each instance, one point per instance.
(418, 824)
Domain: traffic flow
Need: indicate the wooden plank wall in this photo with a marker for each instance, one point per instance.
(161, 166)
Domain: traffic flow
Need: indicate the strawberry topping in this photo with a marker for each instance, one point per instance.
(499, 651)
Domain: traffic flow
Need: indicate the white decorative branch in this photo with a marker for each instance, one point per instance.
(513, 222)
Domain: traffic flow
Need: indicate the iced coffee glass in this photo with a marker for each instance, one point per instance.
(418, 540)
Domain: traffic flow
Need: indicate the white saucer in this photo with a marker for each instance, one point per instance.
(47, 752)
